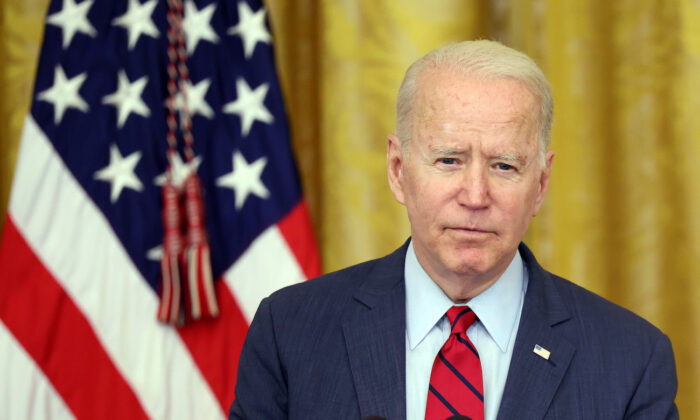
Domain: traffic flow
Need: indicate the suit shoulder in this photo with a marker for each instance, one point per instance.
(596, 312)
(335, 287)
(622, 363)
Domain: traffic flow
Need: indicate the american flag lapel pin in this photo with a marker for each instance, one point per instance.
(542, 352)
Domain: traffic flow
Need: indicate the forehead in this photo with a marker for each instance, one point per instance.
(446, 96)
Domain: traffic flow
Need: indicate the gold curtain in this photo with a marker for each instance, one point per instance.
(623, 213)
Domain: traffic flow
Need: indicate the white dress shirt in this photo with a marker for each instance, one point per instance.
(498, 310)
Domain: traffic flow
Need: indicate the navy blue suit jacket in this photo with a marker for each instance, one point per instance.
(334, 348)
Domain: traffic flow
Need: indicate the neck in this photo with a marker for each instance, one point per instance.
(461, 287)
(461, 290)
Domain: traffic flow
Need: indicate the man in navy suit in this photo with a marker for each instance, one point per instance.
(470, 163)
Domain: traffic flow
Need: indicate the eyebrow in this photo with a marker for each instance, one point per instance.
(445, 151)
(511, 157)
(452, 151)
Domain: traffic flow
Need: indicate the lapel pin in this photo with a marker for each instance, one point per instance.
(542, 352)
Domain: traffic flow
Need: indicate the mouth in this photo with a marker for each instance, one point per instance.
(470, 230)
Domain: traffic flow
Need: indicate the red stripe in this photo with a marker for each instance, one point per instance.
(215, 345)
(297, 231)
(54, 332)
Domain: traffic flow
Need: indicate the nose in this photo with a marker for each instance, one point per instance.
(474, 192)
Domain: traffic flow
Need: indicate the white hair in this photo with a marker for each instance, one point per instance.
(482, 58)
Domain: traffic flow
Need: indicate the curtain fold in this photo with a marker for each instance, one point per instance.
(622, 217)
(21, 31)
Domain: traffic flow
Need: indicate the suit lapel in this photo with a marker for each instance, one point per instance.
(374, 329)
(532, 379)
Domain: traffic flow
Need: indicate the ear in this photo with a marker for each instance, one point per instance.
(544, 182)
(394, 166)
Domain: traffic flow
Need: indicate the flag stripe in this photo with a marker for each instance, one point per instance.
(216, 346)
(87, 212)
(79, 250)
(54, 332)
(31, 395)
(298, 232)
(255, 275)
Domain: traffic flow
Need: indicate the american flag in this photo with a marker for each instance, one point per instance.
(79, 259)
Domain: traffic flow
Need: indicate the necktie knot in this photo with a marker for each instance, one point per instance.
(456, 383)
(461, 318)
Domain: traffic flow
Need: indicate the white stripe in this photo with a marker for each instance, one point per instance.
(26, 393)
(77, 245)
(258, 272)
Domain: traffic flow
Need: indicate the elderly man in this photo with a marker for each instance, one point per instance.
(461, 320)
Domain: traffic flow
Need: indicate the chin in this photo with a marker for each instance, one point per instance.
(475, 263)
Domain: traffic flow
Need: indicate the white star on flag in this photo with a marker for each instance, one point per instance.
(64, 94)
(71, 19)
(196, 103)
(137, 21)
(155, 253)
(180, 170)
(120, 172)
(251, 28)
(249, 105)
(85, 222)
(127, 98)
(196, 25)
(244, 179)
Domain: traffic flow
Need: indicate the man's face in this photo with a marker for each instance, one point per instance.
(471, 178)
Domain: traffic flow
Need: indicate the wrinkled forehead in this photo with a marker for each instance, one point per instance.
(454, 97)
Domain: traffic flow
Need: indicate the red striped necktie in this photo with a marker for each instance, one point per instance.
(456, 385)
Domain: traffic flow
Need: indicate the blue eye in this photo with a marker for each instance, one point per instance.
(504, 167)
(448, 161)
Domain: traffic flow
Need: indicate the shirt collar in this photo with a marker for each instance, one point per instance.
(496, 307)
